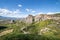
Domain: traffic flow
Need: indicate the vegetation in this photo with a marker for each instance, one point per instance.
(27, 37)
(50, 30)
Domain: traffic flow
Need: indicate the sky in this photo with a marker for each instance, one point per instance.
(22, 8)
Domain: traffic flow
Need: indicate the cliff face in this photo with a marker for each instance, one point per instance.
(29, 19)
(40, 17)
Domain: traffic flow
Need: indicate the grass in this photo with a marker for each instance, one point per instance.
(27, 37)
(33, 29)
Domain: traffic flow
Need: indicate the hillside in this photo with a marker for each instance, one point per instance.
(48, 29)
(44, 30)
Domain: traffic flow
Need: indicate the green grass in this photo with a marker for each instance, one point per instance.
(52, 24)
(27, 37)
(33, 29)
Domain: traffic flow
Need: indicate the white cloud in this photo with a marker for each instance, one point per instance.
(40, 13)
(17, 13)
(19, 5)
(33, 11)
(37, 13)
(28, 10)
(50, 13)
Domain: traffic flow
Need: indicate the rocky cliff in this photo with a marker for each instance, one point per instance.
(40, 17)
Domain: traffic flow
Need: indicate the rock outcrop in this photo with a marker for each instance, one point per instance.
(29, 19)
(40, 17)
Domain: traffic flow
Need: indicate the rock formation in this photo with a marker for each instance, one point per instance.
(29, 19)
(37, 18)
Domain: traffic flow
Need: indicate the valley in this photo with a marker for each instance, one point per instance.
(45, 27)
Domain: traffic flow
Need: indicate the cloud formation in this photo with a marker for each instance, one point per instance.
(38, 13)
(19, 5)
(50, 13)
(19, 14)
(30, 10)
(33, 11)
(7, 13)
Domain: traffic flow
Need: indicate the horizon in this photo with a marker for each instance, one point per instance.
(22, 8)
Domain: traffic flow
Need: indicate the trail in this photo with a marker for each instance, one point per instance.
(25, 32)
(6, 32)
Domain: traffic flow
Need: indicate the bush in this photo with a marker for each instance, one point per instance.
(27, 37)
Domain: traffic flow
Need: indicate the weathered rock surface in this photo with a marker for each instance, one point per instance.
(40, 17)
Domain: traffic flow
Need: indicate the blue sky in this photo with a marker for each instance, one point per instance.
(22, 8)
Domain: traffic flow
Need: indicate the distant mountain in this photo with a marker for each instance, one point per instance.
(9, 18)
(57, 14)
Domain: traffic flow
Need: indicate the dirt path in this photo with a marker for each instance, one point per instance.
(22, 29)
(6, 32)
